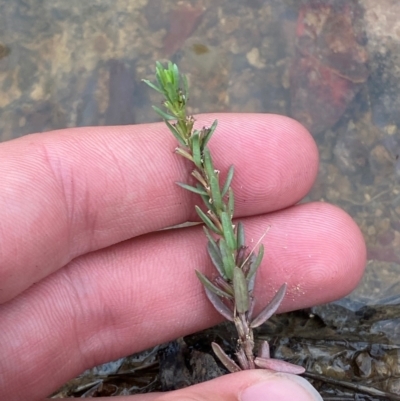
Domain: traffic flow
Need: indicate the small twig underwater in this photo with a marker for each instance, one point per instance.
(231, 293)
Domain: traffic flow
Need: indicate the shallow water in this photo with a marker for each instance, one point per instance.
(332, 64)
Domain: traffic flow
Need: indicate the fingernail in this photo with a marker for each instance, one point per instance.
(281, 387)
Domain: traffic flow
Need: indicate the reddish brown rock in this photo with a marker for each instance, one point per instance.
(330, 63)
(184, 19)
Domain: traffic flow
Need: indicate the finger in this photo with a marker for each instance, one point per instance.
(251, 385)
(66, 193)
(144, 292)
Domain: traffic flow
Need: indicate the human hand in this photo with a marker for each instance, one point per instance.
(85, 277)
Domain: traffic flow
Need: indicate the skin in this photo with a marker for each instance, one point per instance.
(84, 276)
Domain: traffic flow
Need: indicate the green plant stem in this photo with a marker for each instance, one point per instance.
(231, 292)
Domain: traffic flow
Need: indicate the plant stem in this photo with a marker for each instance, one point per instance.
(231, 292)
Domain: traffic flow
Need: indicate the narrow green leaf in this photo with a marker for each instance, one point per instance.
(195, 138)
(257, 262)
(216, 258)
(215, 254)
(208, 164)
(191, 189)
(252, 280)
(160, 74)
(278, 365)
(231, 202)
(175, 72)
(171, 93)
(156, 88)
(228, 180)
(219, 305)
(224, 284)
(226, 361)
(158, 66)
(183, 153)
(199, 177)
(169, 65)
(207, 221)
(209, 236)
(170, 71)
(209, 206)
(216, 193)
(175, 133)
(270, 309)
(167, 73)
(210, 286)
(240, 235)
(163, 114)
(209, 134)
(227, 259)
(227, 228)
(249, 313)
(181, 128)
(240, 290)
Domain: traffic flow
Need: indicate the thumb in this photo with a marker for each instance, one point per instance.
(249, 385)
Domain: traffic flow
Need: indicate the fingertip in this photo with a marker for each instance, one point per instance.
(279, 158)
(317, 249)
(249, 385)
(280, 387)
(342, 244)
